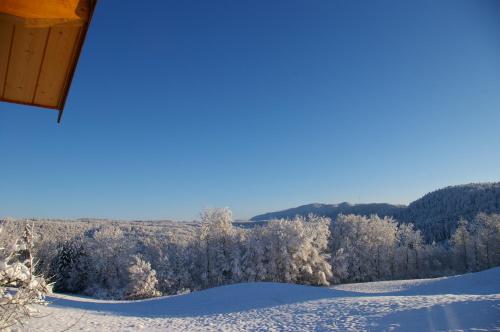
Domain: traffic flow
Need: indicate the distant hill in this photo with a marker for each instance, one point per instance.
(436, 214)
(333, 210)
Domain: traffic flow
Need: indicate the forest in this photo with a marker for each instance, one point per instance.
(126, 260)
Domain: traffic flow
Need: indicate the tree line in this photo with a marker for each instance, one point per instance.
(129, 262)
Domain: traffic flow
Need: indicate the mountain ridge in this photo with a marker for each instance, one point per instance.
(436, 213)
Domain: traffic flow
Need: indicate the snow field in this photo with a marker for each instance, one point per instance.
(468, 302)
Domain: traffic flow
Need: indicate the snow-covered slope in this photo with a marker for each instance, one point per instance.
(466, 302)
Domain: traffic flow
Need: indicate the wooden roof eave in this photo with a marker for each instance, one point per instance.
(54, 31)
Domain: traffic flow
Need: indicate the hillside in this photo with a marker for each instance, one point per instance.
(436, 214)
(332, 210)
(466, 302)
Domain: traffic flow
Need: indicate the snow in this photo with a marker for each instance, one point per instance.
(467, 302)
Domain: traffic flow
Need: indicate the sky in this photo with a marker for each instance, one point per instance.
(178, 106)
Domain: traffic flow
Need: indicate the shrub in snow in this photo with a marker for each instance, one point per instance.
(16, 271)
(142, 280)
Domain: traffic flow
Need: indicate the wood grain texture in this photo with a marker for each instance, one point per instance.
(6, 31)
(27, 53)
(56, 64)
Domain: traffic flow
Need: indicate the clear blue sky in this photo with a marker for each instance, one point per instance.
(261, 105)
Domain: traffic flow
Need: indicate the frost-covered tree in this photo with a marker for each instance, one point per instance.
(409, 243)
(17, 271)
(487, 238)
(340, 266)
(461, 244)
(295, 250)
(94, 257)
(109, 262)
(179, 271)
(313, 255)
(434, 261)
(370, 244)
(142, 280)
(217, 243)
(382, 242)
(476, 243)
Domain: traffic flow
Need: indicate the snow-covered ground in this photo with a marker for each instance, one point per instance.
(468, 302)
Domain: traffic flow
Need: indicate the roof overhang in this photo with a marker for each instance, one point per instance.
(40, 43)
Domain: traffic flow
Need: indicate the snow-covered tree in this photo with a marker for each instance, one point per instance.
(313, 255)
(254, 261)
(17, 270)
(295, 250)
(476, 243)
(142, 280)
(410, 243)
(108, 262)
(487, 239)
(461, 244)
(217, 241)
(369, 242)
(94, 257)
(340, 266)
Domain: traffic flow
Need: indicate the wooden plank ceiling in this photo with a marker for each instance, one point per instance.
(40, 42)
